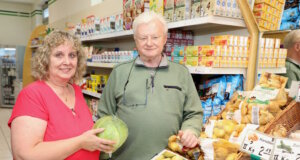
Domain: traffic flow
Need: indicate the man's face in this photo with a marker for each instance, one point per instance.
(150, 39)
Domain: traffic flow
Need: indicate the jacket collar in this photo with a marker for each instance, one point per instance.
(293, 61)
(163, 63)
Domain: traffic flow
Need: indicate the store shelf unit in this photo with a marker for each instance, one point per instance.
(90, 93)
(205, 70)
(210, 23)
(35, 46)
(100, 65)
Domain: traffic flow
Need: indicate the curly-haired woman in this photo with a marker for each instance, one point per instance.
(50, 119)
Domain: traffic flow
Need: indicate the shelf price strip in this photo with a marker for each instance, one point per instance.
(258, 144)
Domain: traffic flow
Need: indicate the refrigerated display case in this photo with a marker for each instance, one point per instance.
(11, 66)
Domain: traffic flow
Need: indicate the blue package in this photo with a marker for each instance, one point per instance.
(287, 26)
(222, 88)
(216, 106)
(207, 109)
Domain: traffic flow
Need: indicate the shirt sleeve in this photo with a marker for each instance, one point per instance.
(29, 103)
(108, 104)
(192, 112)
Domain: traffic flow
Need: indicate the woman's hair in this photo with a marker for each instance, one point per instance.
(41, 59)
(291, 38)
(146, 17)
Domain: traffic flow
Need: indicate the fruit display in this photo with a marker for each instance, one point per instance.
(175, 145)
(115, 129)
(223, 129)
(272, 80)
(168, 155)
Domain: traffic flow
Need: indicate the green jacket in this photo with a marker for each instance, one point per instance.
(292, 71)
(172, 104)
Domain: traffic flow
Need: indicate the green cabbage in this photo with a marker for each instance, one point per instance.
(115, 129)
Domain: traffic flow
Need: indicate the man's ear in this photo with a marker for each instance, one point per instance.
(297, 46)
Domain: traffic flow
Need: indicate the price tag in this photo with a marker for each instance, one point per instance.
(295, 90)
(258, 144)
(286, 149)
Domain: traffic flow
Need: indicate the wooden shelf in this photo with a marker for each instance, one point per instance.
(90, 93)
(209, 23)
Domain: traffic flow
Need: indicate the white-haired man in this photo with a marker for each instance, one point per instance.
(292, 43)
(156, 98)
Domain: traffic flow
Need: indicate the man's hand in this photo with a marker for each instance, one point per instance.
(188, 138)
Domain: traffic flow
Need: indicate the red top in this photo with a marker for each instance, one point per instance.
(39, 100)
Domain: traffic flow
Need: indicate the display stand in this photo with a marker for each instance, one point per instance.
(37, 32)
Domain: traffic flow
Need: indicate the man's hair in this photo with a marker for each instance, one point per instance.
(146, 17)
(41, 59)
(291, 38)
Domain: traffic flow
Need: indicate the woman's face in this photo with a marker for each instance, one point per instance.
(63, 62)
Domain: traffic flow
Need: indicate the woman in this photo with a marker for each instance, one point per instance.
(50, 119)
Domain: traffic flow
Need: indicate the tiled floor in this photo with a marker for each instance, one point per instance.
(5, 150)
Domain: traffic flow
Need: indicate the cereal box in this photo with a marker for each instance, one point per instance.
(157, 6)
(139, 7)
(169, 10)
(182, 10)
(128, 14)
(196, 9)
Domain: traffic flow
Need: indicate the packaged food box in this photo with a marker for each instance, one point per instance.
(197, 9)
(128, 14)
(182, 10)
(157, 6)
(169, 10)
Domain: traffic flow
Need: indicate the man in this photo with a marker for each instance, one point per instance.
(154, 97)
(292, 43)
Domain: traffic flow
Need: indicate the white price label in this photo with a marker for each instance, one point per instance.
(258, 144)
(286, 149)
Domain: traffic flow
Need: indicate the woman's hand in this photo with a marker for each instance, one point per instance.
(188, 138)
(91, 142)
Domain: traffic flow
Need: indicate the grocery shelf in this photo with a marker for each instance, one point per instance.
(90, 93)
(205, 70)
(7, 105)
(272, 70)
(243, 71)
(107, 36)
(35, 46)
(100, 65)
(211, 70)
(209, 23)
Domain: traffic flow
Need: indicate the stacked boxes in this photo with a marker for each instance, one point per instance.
(268, 13)
(128, 14)
(157, 6)
(182, 10)
(270, 53)
(178, 38)
(169, 10)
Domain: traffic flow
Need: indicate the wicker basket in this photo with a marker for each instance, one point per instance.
(289, 118)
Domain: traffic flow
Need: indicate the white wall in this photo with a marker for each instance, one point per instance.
(15, 30)
(62, 12)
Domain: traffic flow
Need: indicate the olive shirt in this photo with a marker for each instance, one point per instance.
(152, 114)
(292, 71)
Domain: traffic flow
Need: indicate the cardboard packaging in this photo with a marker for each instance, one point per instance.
(169, 10)
(182, 10)
(128, 14)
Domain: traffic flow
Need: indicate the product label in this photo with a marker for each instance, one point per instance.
(258, 144)
(263, 93)
(286, 149)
